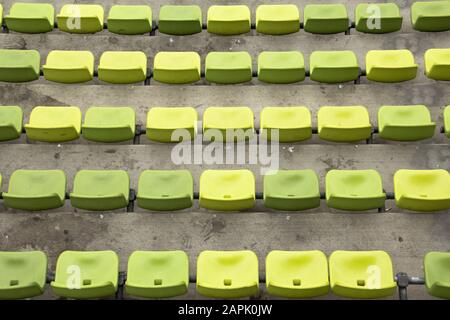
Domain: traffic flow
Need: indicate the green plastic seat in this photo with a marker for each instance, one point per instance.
(31, 17)
(122, 67)
(333, 66)
(437, 64)
(80, 18)
(227, 190)
(171, 124)
(69, 66)
(36, 190)
(165, 190)
(326, 18)
(157, 274)
(437, 274)
(431, 15)
(297, 274)
(86, 274)
(405, 123)
(378, 17)
(22, 274)
(180, 20)
(19, 65)
(228, 124)
(176, 67)
(390, 65)
(277, 19)
(362, 274)
(344, 124)
(228, 67)
(109, 124)
(447, 121)
(126, 19)
(354, 190)
(422, 190)
(227, 274)
(228, 19)
(281, 67)
(10, 122)
(99, 190)
(291, 190)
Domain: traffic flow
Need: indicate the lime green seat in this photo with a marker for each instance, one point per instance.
(447, 121)
(437, 274)
(19, 65)
(1, 14)
(109, 124)
(126, 19)
(228, 67)
(422, 190)
(333, 66)
(390, 65)
(54, 124)
(99, 190)
(227, 274)
(437, 64)
(122, 66)
(69, 66)
(281, 67)
(431, 15)
(293, 123)
(86, 274)
(36, 190)
(228, 20)
(157, 274)
(277, 19)
(362, 274)
(291, 190)
(326, 18)
(180, 20)
(80, 18)
(228, 124)
(297, 274)
(405, 123)
(31, 17)
(344, 124)
(227, 190)
(165, 190)
(10, 122)
(171, 124)
(378, 17)
(22, 274)
(176, 67)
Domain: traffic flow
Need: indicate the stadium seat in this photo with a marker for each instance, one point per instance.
(431, 15)
(333, 66)
(227, 274)
(54, 124)
(297, 274)
(447, 121)
(80, 18)
(277, 19)
(30, 17)
(378, 17)
(1, 13)
(69, 66)
(86, 274)
(227, 190)
(100, 190)
(19, 65)
(281, 67)
(171, 124)
(228, 124)
(293, 123)
(126, 19)
(10, 122)
(354, 190)
(228, 67)
(228, 19)
(22, 274)
(422, 190)
(176, 67)
(165, 190)
(109, 124)
(437, 274)
(326, 18)
(35, 190)
(291, 190)
(122, 66)
(390, 65)
(437, 64)
(157, 274)
(344, 124)
(405, 123)
(180, 20)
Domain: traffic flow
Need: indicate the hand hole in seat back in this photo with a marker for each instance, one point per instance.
(227, 282)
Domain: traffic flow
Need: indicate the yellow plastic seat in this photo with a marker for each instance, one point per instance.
(176, 67)
(277, 19)
(228, 20)
(447, 121)
(171, 124)
(80, 18)
(437, 64)
(390, 65)
(228, 124)
(122, 66)
(69, 66)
